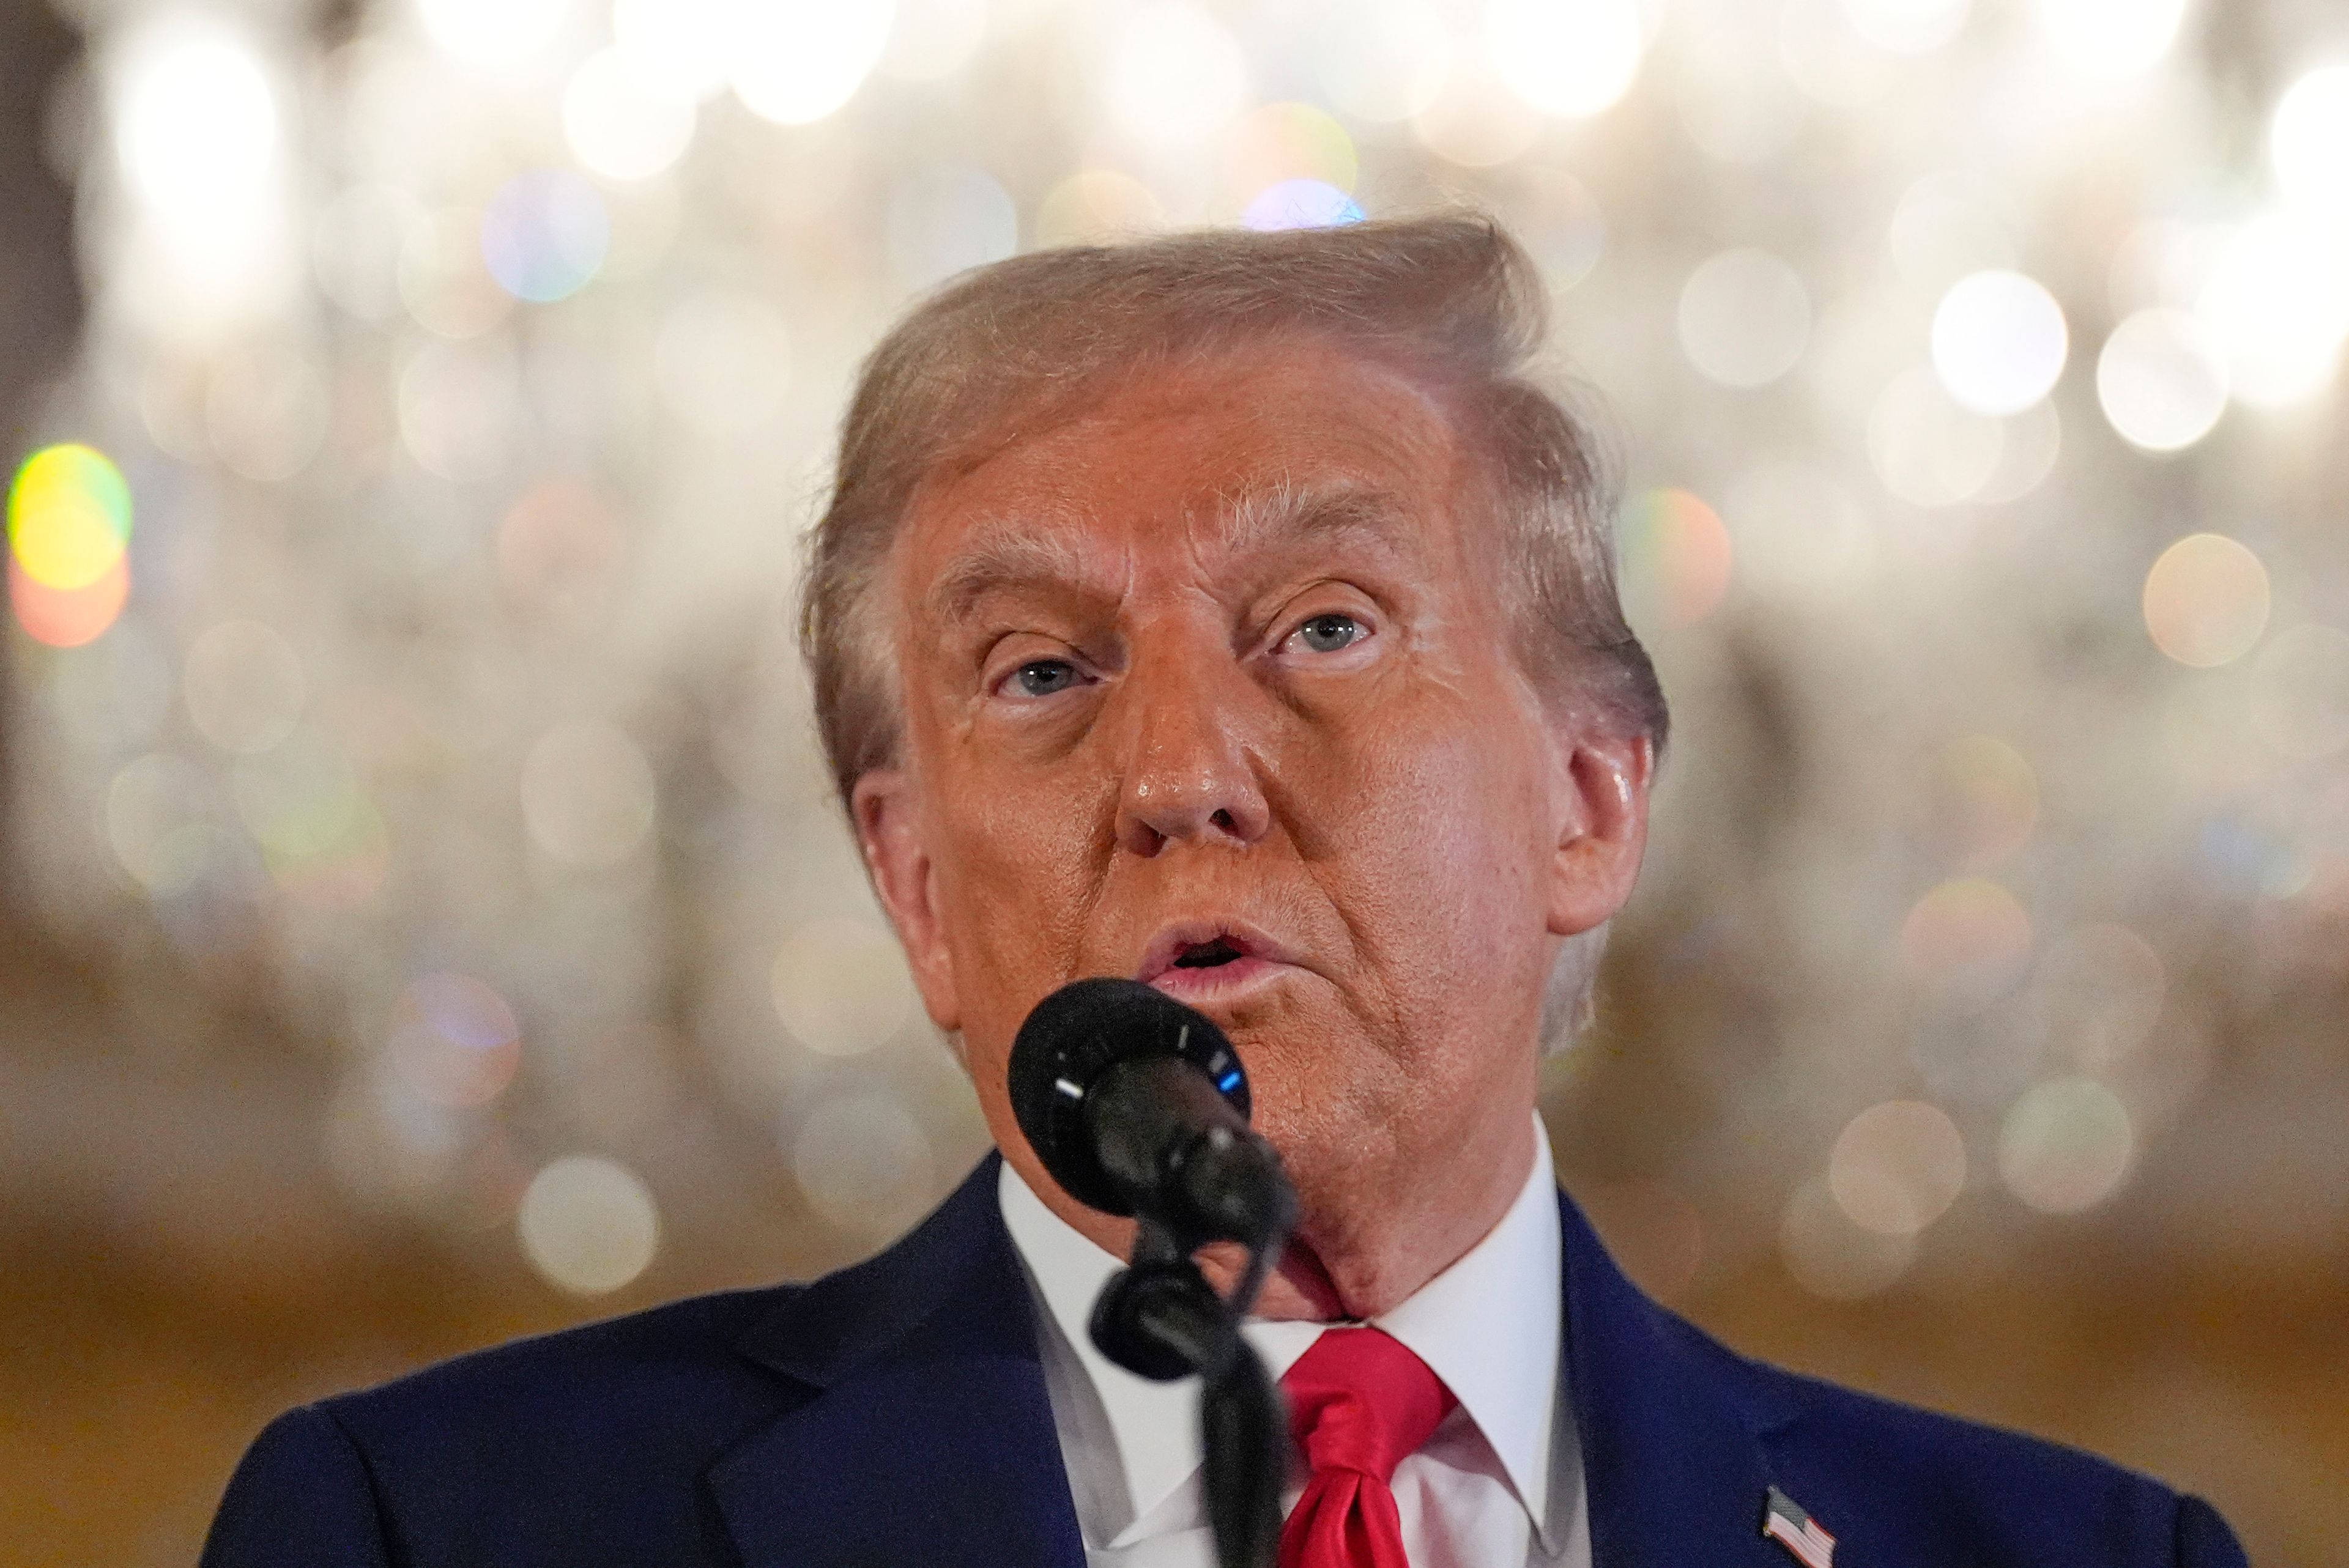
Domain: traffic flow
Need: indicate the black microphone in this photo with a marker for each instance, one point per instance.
(1138, 1105)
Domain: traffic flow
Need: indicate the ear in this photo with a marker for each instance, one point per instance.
(889, 833)
(1601, 791)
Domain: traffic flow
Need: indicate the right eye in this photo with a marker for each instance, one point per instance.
(1043, 677)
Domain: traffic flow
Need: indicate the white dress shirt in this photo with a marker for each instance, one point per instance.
(1500, 1482)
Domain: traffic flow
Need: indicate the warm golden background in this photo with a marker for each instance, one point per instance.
(423, 922)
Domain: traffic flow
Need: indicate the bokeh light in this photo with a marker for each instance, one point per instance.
(1573, 58)
(200, 133)
(1926, 449)
(322, 837)
(1827, 59)
(864, 1163)
(198, 124)
(1906, 26)
(2099, 991)
(675, 49)
(2066, 1146)
(1561, 224)
(1744, 317)
(1175, 74)
(356, 242)
(1477, 120)
(1897, 1167)
(2306, 134)
(2163, 262)
(267, 411)
(841, 986)
(454, 1040)
(1676, 559)
(2109, 40)
(2030, 445)
(245, 687)
(1968, 941)
(1832, 1256)
(2162, 382)
(1286, 141)
(2276, 301)
(932, 40)
(588, 1224)
(2299, 692)
(1384, 60)
(1737, 116)
(587, 794)
(560, 550)
(2206, 600)
(1095, 206)
(621, 125)
(1998, 342)
(69, 516)
(443, 280)
(69, 522)
(796, 61)
(493, 33)
(67, 617)
(153, 803)
(1980, 801)
(544, 234)
(458, 404)
(1301, 204)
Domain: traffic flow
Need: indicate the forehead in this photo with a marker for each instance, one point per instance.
(1240, 452)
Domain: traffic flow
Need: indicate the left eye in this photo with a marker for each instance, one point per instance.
(1328, 634)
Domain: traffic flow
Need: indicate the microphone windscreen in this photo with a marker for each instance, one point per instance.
(1067, 1042)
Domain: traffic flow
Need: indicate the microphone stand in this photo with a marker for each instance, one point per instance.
(1160, 1319)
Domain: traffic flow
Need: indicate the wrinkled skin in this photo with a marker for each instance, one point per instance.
(1126, 716)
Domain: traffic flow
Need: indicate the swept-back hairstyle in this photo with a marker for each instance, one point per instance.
(1017, 347)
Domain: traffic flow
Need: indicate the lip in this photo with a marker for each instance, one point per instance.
(1262, 959)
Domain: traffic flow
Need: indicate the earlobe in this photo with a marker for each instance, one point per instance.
(889, 833)
(1602, 828)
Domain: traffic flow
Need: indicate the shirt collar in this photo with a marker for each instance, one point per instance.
(1489, 1326)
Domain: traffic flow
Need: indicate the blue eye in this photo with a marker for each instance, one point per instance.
(1328, 634)
(1043, 677)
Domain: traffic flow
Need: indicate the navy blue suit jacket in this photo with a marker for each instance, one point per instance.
(894, 1413)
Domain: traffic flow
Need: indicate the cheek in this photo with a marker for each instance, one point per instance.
(1443, 842)
(1017, 870)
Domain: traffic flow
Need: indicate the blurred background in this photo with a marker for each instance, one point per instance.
(422, 919)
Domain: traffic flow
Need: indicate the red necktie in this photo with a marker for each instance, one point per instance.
(1358, 1402)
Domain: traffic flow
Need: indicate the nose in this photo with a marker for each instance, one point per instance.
(1189, 776)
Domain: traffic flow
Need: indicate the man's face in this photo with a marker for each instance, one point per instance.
(1210, 688)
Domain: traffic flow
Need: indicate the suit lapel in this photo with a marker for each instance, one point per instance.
(1672, 1455)
(926, 1436)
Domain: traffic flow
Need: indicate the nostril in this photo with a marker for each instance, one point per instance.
(1223, 818)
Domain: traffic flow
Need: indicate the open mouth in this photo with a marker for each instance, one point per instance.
(1212, 955)
(1215, 957)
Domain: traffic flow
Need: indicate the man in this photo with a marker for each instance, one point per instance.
(1232, 613)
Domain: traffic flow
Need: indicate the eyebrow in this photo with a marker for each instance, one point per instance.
(1032, 549)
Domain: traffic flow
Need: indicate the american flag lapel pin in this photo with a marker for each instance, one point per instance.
(1783, 1520)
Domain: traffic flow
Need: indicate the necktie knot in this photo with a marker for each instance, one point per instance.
(1360, 1400)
